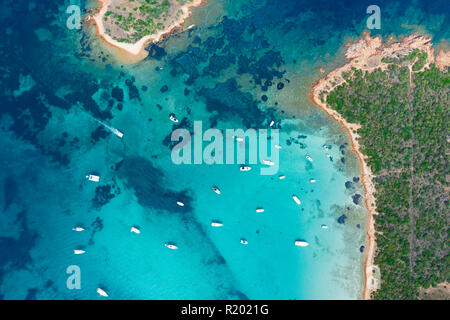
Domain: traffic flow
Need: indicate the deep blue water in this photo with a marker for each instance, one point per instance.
(225, 72)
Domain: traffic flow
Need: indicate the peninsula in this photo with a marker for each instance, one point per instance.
(131, 24)
(392, 98)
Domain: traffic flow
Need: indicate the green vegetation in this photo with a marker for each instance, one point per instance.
(131, 20)
(404, 133)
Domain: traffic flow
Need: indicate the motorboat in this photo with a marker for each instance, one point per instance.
(301, 243)
(245, 168)
(296, 199)
(102, 292)
(93, 177)
(216, 224)
(117, 132)
(78, 251)
(173, 118)
(268, 162)
(171, 246)
(216, 190)
(135, 230)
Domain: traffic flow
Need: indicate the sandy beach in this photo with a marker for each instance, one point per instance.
(366, 54)
(137, 48)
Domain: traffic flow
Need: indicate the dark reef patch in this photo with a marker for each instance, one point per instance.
(133, 92)
(356, 198)
(239, 295)
(32, 293)
(15, 251)
(10, 191)
(186, 63)
(226, 99)
(97, 226)
(341, 219)
(218, 63)
(104, 194)
(186, 124)
(149, 186)
(155, 52)
(117, 93)
(164, 89)
(99, 133)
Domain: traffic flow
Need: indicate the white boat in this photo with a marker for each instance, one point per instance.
(93, 177)
(102, 292)
(117, 132)
(173, 118)
(300, 243)
(325, 147)
(216, 190)
(309, 158)
(181, 204)
(78, 251)
(216, 224)
(296, 199)
(271, 123)
(328, 155)
(277, 146)
(259, 210)
(243, 241)
(281, 177)
(312, 180)
(78, 229)
(239, 139)
(135, 230)
(324, 226)
(171, 246)
(245, 168)
(268, 162)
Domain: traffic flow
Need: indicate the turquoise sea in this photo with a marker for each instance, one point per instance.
(244, 64)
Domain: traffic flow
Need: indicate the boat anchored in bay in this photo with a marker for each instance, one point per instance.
(301, 243)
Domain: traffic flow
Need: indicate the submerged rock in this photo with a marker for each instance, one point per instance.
(280, 85)
(341, 219)
(356, 198)
(104, 194)
(117, 94)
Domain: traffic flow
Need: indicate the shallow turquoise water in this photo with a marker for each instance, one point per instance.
(51, 145)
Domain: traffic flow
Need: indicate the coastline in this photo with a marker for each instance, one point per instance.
(137, 48)
(365, 54)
